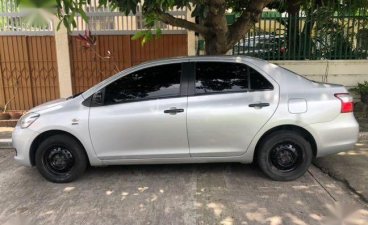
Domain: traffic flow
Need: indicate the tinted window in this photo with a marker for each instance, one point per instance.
(258, 82)
(154, 82)
(214, 77)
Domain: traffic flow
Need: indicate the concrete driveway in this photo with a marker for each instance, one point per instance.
(174, 194)
(350, 167)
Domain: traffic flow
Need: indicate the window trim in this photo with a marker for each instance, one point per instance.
(192, 80)
(182, 88)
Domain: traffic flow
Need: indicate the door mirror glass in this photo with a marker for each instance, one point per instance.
(98, 98)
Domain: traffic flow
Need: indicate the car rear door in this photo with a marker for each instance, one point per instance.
(143, 115)
(228, 104)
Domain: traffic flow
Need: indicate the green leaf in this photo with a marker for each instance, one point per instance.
(158, 33)
(83, 15)
(66, 23)
(138, 35)
(59, 24)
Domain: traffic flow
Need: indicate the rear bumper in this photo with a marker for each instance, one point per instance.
(340, 134)
(22, 141)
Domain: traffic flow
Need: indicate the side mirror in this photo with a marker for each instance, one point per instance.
(98, 98)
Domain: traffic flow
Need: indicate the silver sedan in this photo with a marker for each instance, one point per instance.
(190, 110)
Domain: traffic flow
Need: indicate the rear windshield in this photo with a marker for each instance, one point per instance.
(303, 77)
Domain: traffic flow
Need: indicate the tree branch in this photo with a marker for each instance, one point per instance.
(247, 19)
(178, 22)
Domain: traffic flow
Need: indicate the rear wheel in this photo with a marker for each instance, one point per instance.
(60, 159)
(284, 155)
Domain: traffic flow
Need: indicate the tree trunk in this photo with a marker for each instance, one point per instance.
(215, 38)
(215, 45)
(219, 37)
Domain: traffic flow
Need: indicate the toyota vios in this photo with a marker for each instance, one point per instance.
(190, 110)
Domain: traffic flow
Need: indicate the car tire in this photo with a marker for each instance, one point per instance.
(284, 155)
(61, 159)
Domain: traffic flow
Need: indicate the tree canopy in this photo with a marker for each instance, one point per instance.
(211, 14)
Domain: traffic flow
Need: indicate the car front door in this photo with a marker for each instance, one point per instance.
(141, 115)
(228, 104)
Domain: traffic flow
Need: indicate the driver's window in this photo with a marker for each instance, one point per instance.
(150, 83)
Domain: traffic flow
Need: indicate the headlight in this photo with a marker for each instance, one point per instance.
(28, 119)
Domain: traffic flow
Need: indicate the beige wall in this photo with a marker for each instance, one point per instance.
(345, 72)
(63, 61)
(191, 35)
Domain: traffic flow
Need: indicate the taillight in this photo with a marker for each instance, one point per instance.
(347, 104)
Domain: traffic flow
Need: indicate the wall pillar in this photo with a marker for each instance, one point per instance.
(191, 35)
(63, 60)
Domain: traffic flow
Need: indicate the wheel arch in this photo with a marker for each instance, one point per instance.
(42, 136)
(302, 131)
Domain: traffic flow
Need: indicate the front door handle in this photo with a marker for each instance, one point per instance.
(173, 110)
(259, 105)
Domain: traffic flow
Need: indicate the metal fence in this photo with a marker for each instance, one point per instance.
(314, 35)
(14, 21)
(102, 20)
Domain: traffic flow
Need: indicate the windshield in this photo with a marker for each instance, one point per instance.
(102, 83)
(73, 96)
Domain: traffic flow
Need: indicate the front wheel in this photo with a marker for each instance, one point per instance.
(284, 155)
(60, 159)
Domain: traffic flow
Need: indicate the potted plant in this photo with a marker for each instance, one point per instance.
(362, 90)
(4, 115)
(14, 115)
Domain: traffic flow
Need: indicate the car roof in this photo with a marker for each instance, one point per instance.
(225, 58)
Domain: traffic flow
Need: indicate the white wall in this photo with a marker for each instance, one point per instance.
(345, 72)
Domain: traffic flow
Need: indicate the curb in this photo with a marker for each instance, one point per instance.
(6, 143)
(363, 135)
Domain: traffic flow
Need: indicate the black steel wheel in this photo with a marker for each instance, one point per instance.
(284, 155)
(60, 158)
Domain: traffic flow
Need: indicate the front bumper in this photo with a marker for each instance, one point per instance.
(340, 134)
(22, 140)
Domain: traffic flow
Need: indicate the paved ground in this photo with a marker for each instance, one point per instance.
(174, 194)
(350, 167)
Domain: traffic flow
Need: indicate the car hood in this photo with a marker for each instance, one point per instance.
(48, 105)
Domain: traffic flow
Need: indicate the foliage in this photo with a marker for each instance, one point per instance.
(361, 88)
(325, 31)
(332, 5)
(87, 39)
(66, 10)
(1, 10)
(211, 16)
(89, 43)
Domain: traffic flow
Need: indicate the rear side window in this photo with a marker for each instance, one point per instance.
(215, 77)
(150, 83)
(258, 82)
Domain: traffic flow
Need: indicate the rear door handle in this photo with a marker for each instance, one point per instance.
(173, 111)
(259, 105)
